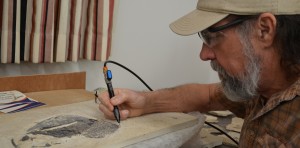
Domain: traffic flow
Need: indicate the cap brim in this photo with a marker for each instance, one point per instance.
(196, 21)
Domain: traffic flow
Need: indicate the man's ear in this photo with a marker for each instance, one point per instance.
(266, 28)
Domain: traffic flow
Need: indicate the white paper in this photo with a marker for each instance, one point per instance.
(11, 96)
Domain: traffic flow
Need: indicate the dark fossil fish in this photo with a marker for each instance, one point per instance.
(70, 125)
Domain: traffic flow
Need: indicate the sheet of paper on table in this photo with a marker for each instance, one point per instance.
(15, 101)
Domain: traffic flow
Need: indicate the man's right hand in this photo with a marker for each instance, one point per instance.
(131, 103)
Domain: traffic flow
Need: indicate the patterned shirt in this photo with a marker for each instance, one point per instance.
(275, 123)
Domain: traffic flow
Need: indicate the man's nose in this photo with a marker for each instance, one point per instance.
(206, 53)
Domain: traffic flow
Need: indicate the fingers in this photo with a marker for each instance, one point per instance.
(125, 99)
(107, 113)
(105, 101)
(122, 97)
(124, 114)
(118, 99)
(106, 104)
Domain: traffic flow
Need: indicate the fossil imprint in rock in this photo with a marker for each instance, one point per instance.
(71, 125)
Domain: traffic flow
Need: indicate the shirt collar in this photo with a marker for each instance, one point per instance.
(286, 95)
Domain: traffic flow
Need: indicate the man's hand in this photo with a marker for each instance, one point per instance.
(131, 103)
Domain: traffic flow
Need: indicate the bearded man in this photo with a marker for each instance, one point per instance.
(254, 46)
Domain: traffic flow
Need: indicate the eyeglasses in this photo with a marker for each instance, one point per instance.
(210, 35)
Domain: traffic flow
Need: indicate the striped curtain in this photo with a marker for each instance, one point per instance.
(46, 31)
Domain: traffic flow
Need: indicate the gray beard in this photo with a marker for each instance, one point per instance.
(244, 86)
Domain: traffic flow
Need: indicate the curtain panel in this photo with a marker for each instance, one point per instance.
(46, 31)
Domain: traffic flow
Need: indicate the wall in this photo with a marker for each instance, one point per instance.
(143, 42)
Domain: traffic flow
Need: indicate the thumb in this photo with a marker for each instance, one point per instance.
(117, 100)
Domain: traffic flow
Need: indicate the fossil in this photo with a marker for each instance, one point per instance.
(71, 125)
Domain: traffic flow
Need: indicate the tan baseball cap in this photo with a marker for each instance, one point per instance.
(209, 12)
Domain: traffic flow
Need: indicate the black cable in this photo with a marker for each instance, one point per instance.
(130, 72)
(221, 132)
(152, 90)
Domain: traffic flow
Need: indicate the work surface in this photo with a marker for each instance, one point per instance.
(47, 126)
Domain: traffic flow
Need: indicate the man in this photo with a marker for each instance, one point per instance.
(254, 46)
